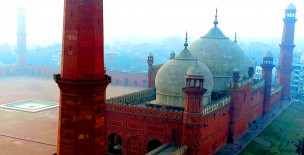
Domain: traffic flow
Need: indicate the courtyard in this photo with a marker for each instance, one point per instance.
(282, 133)
(34, 133)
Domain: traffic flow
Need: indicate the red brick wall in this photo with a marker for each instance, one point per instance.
(214, 130)
(256, 104)
(275, 98)
(137, 130)
(140, 80)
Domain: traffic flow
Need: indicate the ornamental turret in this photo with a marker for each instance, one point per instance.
(151, 76)
(193, 112)
(267, 67)
(172, 55)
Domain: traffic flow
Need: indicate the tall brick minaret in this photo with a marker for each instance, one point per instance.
(267, 67)
(82, 81)
(21, 37)
(287, 46)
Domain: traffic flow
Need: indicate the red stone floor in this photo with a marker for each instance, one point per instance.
(23, 133)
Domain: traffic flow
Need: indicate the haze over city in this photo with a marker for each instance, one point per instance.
(251, 19)
(151, 87)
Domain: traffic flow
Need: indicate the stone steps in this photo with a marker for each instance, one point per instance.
(261, 141)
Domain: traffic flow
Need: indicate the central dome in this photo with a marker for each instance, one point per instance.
(222, 56)
(170, 79)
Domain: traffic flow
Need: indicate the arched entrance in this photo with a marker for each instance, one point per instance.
(153, 144)
(114, 144)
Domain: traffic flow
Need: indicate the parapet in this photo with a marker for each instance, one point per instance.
(258, 84)
(135, 98)
(150, 112)
(241, 83)
(274, 90)
(216, 105)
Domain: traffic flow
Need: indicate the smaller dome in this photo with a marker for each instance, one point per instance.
(150, 55)
(268, 55)
(196, 70)
(172, 53)
(291, 7)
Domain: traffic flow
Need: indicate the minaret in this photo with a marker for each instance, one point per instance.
(193, 113)
(21, 37)
(267, 67)
(235, 41)
(234, 92)
(151, 76)
(82, 81)
(172, 55)
(287, 46)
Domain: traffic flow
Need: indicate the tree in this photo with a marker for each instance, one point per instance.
(300, 146)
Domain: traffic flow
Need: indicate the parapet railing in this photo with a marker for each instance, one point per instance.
(158, 149)
(258, 85)
(121, 72)
(139, 97)
(181, 151)
(216, 105)
(241, 83)
(274, 90)
(151, 112)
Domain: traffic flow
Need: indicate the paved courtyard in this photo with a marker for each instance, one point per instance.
(24, 133)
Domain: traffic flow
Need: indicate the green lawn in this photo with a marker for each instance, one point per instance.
(288, 127)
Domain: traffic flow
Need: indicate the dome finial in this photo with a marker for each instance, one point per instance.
(186, 39)
(235, 41)
(215, 21)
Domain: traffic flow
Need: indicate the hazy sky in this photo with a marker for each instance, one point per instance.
(152, 18)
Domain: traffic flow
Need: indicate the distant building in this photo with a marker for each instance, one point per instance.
(297, 79)
(258, 74)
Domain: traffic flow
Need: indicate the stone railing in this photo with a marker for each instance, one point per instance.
(258, 85)
(241, 83)
(274, 90)
(216, 105)
(158, 149)
(109, 72)
(181, 151)
(135, 98)
(150, 112)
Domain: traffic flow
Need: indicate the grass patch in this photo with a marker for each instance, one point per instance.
(281, 133)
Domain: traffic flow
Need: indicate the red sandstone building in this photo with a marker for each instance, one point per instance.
(197, 102)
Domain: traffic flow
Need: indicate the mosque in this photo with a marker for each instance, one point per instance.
(198, 101)
(195, 103)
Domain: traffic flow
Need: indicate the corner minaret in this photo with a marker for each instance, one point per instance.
(151, 81)
(172, 55)
(287, 46)
(21, 51)
(82, 81)
(267, 67)
(193, 113)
